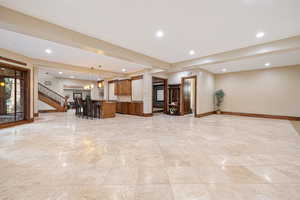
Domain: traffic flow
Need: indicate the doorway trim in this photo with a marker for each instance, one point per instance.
(182, 104)
(27, 107)
(165, 92)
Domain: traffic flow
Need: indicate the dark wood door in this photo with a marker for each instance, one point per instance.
(187, 97)
(2, 97)
(14, 95)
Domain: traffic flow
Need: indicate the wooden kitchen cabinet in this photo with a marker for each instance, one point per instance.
(123, 107)
(123, 88)
(136, 108)
(130, 108)
(107, 109)
(119, 107)
(117, 88)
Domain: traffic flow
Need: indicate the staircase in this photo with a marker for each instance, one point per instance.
(52, 98)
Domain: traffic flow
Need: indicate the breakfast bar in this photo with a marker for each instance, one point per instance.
(108, 109)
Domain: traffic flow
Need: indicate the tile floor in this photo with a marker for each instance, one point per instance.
(160, 158)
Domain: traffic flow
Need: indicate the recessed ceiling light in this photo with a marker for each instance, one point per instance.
(267, 64)
(224, 70)
(260, 34)
(60, 72)
(207, 61)
(160, 34)
(192, 52)
(123, 70)
(48, 51)
(72, 76)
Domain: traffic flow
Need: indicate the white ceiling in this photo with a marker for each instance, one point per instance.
(206, 26)
(275, 60)
(35, 48)
(68, 73)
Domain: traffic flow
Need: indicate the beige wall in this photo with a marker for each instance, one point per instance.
(137, 89)
(205, 92)
(274, 91)
(111, 92)
(44, 106)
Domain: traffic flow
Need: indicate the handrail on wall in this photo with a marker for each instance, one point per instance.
(42, 85)
(53, 95)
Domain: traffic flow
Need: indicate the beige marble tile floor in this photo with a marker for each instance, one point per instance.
(62, 157)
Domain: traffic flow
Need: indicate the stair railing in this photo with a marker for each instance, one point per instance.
(61, 100)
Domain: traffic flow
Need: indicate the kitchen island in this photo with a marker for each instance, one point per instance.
(108, 109)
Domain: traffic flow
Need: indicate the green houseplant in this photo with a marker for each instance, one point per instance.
(219, 97)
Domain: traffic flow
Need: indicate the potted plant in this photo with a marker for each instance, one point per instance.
(219, 97)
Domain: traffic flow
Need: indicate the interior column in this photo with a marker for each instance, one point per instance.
(35, 90)
(147, 97)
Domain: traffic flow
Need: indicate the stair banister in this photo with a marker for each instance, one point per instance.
(53, 95)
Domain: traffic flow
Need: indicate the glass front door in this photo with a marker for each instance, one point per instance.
(12, 95)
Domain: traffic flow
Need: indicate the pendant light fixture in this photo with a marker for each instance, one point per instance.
(90, 86)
